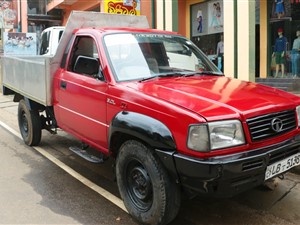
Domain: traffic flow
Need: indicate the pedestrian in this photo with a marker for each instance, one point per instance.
(279, 51)
(220, 53)
(296, 55)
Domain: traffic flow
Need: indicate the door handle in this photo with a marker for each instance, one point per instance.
(63, 84)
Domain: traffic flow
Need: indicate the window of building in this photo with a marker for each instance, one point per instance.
(207, 27)
(287, 18)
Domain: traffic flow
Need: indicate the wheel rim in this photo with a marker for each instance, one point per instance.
(139, 186)
(24, 124)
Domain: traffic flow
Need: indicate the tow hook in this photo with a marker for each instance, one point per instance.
(281, 176)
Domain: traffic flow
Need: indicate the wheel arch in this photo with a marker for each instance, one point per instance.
(31, 104)
(149, 131)
(132, 125)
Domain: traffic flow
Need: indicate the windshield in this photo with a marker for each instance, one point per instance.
(141, 56)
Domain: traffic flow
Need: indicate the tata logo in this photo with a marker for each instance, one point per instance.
(276, 125)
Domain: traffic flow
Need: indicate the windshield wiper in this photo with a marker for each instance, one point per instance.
(171, 74)
(203, 73)
(181, 74)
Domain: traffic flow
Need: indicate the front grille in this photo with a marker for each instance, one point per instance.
(254, 164)
(261, 127)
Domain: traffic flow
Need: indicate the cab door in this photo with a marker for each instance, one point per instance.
(80, 101)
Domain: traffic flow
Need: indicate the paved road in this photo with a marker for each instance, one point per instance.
(34, 190)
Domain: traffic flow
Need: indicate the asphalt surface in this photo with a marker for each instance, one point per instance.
(35, 190)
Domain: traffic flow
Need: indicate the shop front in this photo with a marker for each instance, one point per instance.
(238, 36)
(285, 17)
(207, 29)
(245, 30)
(226, 32)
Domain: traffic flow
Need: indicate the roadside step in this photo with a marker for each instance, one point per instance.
(86, 155)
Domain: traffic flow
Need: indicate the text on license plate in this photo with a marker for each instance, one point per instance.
(282, 166)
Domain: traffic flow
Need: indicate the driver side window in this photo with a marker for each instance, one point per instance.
(84, 57)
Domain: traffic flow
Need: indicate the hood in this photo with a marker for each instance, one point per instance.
(218, 97)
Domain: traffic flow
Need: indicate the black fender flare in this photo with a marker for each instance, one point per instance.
(143, 127)
(147, 129)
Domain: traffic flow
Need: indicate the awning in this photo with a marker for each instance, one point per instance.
(44, 18)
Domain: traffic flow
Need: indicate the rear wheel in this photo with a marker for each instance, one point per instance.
(149, 194)
(29, 124)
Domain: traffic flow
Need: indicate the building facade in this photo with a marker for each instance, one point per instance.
(248, 28)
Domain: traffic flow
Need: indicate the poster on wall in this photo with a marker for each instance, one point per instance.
(19, 43)
(131, 7)
(199, 19)
(8, 14)
(215, 17)
(207, 18)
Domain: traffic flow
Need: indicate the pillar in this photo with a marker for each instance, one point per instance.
(24, 17)
(246, 40)
(263, 70)
(160, 15)
(230, 56)
(167, 15)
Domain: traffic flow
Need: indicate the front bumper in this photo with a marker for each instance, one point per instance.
(230, 175)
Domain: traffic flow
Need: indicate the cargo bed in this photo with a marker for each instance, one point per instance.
(28, 76)
(31, 76)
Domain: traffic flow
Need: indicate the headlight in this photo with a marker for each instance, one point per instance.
(198, 138)
(215, 135)
(298, 115)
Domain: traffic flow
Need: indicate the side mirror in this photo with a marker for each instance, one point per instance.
(86, 65)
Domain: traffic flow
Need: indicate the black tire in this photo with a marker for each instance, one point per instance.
(29, 124)
(149, 194)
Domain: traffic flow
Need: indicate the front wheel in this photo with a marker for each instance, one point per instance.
(29, 124)
(149, 194)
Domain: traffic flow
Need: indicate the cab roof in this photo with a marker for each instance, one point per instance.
(124, 29)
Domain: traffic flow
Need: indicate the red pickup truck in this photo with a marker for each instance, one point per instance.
(154, 102)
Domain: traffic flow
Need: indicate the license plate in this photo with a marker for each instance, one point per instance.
(282, 166)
